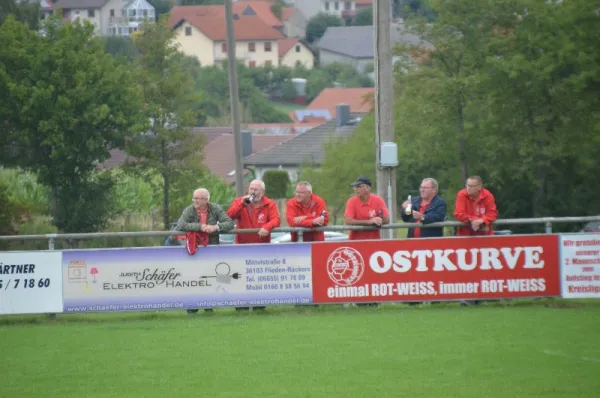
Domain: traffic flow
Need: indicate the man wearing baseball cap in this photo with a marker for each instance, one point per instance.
(365, 208)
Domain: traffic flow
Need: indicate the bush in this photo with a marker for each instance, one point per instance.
(277, 183)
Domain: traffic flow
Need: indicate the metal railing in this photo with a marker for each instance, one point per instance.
(548, 222)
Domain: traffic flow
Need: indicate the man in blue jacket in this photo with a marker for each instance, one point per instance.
(427, 208)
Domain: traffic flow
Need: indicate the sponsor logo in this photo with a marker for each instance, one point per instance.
(345, 266)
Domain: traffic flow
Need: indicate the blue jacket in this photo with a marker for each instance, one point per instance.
(436, 212)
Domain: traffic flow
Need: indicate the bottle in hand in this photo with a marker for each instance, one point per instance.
(408, 208)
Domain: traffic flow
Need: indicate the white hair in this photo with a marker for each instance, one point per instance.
(262, 184)
(204, 191)
(306, 184)
(433, 182)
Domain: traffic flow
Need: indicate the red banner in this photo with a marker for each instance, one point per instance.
(436, 269)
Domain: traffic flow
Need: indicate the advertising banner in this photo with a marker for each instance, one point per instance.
(30, 282)
(169, 278)
(436, 269)
(580, 265)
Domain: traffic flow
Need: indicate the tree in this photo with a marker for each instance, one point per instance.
(162, 7)
(69, 104)
(168, 147)
(318, 24)
(23, 11)
(121, 48)
(345, 159)
(214, 81)
(364, 17)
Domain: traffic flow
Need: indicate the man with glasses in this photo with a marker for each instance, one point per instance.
(203, 221)
(365, 208)
(476, 206)
(307, 210)
(427, 208)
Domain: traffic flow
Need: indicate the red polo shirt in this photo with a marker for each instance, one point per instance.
(422, 209)
(359, 210)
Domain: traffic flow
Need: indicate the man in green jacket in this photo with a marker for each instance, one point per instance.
(203, 216)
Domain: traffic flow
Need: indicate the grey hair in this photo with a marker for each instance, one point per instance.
(261, 183)
(203, 190)
(306, 184)
(433, 182)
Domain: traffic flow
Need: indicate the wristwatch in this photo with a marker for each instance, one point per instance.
(423, 217)
(218, 227)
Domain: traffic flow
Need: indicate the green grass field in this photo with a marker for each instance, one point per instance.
(546, 348)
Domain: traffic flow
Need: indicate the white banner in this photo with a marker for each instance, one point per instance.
(30, 282)
(580, 265)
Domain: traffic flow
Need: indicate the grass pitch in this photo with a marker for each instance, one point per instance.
(548, 348)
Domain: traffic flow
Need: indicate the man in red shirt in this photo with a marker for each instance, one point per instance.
(254, 210)
(365, 208)
(307, 210)
(476, 206)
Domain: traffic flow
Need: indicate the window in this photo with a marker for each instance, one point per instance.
(91, 13)
(297, 48)
(251, 64)
(326, 6)
(347, 6)
(268, 47)
(145, 13)
(224, 47)
(336, 5)
(252, 47)
(77, 12)
(268, 63)
(112, 13)
(188, 30)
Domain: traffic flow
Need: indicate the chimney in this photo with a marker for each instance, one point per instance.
(246, 143)
(342, 115)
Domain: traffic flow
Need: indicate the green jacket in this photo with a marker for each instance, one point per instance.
(190, 221)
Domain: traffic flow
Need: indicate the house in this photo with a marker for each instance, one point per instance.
(354, 45)
(308, 147)
(110, 17)
(294, 22)
(324, 106)
(344, 9)
(279, 128)
(293, 51)
(46, 8)
(291, 22)
(219, 154)
(201, 32)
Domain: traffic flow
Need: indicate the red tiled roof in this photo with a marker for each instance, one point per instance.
(261, 8)
(286, 45)
(119, 157)
(219, 155)
(210, 20)
(359, 99)
(364, 2)
(281, 128)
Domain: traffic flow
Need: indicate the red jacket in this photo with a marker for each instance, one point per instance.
(247, 216)
(468, 209)
(314, 209)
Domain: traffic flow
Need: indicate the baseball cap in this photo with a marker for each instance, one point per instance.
(361, 180)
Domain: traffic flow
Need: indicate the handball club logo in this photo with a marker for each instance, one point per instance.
(345, 266)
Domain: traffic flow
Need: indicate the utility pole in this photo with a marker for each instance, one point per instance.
(234, 99)
(384, 96)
